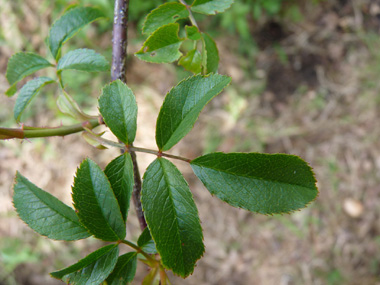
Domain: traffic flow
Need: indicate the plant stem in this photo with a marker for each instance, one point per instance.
(29, 132)
(140, 149)
(191, 17)
(139, 250)
(118, 71)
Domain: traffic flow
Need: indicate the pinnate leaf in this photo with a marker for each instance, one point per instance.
(192, 61)
(164, 14)
(211, 53)
(117, 104)
(262, 183)
(172, 217)
(96, 205)
(211, 7)
(120, 174)
(84, 60)
(27, 93)
(162, 46)
(182, 106)
(68, 25)
(125, 269)
(93, 269)
(21, 65)
(44, 213)
(146, 243)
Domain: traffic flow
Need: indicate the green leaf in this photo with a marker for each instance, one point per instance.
(165, 14)
(21, 65)
(125, 269)
(44, 213)
(84, 60)
(212, 55)
(67, 105)
(27, 93)
(211, 7)
(93, 269)
(192, 61)
(162, 46)
(146, 243)
(119, 110)
(68, 25)
(172, 217)
(262, 183)
(96, 205)
(120, 174)
(193, 33)
(182, 106)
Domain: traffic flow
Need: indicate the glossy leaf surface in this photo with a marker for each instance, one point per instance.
(211, 7)
(84, 60)
(125, 269)
(96, 204)
(182, 106)
(262, 183)
(172, 217)
(117, 104)
(44, 213)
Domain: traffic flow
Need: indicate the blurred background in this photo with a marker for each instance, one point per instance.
(305, 82)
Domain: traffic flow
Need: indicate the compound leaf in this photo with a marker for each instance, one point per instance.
(162, 46)
(68, 25)
(172, 217)
(164, 14)
(44, 213)
(211, 54)
(27, 93)
(125, 269)
(146, 243)
(21, 65)
(120, 174)
(262, 183)
(93, 269)
(211, 7)
(182, 106)
(84, 60)
(119, 110)
(192, 61)
(96, 205)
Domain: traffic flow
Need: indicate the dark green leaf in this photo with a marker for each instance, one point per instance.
(262, 183)
(93, 269)
(193, 33)
(211, 7)
(119, 110)
(162, 46)
(165, 14)
(183, 105)
(192, 61)
(27, 93)
(120, 174)
(125, 269)
(68, 25)
(172, 217)
(146, 243)
(44, 213)
(21, 65)
(96, 205)
(211, 53)
(84, 60)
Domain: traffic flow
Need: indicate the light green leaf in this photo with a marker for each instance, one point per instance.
(96, 205)
(182, 106)
(162, 46)
(84, 60)
(27, 93)
(21, 65)
(211, 7)
(67, 105)
(211, 53)
(44, 213)
(93, 269)
(125, 270)
(119, 110)
(68, 25)
(165, 14)
(192, 61)
(262, 183)
(193, 33)
(172, 217)
(146, 243)
(120, 174)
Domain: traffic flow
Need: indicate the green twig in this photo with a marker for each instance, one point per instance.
(139, 250)
(191, 17)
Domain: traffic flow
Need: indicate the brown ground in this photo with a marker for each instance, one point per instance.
(320, 102)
